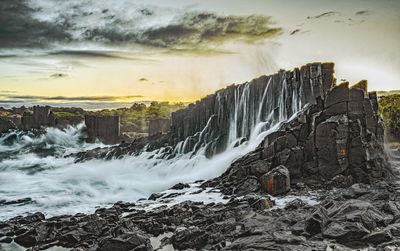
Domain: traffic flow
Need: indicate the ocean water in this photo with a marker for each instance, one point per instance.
(37, 174)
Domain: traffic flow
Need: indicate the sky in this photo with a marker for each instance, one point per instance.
(115, 52)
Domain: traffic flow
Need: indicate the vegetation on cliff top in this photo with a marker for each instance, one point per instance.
(389, 107)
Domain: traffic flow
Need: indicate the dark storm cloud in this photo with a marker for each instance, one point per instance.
(195, 29)
(187, 30)
(325, 14)
(295, 32)
(88, 53)
(19, 29)
(58, 75)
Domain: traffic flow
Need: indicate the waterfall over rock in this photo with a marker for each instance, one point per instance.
(235, 114)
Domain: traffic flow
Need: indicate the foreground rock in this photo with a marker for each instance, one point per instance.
(336, 142)
(364, 216)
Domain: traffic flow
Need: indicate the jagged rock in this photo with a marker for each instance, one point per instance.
(191, 237)
(336, 142)
(104, 128)
(180, 186)
(126, 242)
(249, 185)
(41, 116)
(314, 224)
(295, 204)
(310, 82)
(345, 232)
(337, 138)
(6, 124)
(276, 181)
(357, 190)
(26, 240)
(358, 211)
(240, 224)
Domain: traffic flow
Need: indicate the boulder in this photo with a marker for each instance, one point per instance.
(125, 242)
(276, 181)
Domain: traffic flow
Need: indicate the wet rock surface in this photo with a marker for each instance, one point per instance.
(207, 123)
(336, 142)
(362, 217)
(333, 149)
(6, 124)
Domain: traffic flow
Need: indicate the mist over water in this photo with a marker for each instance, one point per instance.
(56, 185)
(37, 173)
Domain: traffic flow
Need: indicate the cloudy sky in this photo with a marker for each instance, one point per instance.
(83, 51)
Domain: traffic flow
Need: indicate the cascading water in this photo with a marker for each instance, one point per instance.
(52, 183)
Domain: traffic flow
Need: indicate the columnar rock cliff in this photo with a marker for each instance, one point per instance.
(337, 141)
(41, 116)
(232, 113)
(104, 128)
(159, 125)
(6, 124)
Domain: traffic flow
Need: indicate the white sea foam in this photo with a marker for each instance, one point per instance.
(37, 167)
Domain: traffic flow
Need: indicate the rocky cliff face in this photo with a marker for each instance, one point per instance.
(6, 124)
(322, 133)
(337, 141)
(42, 116)
(231, 114)
(104, 128)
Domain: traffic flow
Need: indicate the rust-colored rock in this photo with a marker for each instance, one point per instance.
(276, 181)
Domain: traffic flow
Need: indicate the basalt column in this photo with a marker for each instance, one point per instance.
(104, 128)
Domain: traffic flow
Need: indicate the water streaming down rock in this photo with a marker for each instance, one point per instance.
(238, 113)
(336, 128)
(204, 140)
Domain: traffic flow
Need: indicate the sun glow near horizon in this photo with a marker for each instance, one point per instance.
(154, 54)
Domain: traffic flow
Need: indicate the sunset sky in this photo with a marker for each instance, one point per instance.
(56, 51)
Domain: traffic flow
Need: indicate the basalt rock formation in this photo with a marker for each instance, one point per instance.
(104, 128)
(6, 124)
(219, 119)
(335, 142)
(228, 117)
(42, 116)
(322, 136)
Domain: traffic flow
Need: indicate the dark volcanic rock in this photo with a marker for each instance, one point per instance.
(104, 128)
(241, 224)
(180, 186)
(336, 142)
(276, 181)
(126, 242)
(208, 122)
